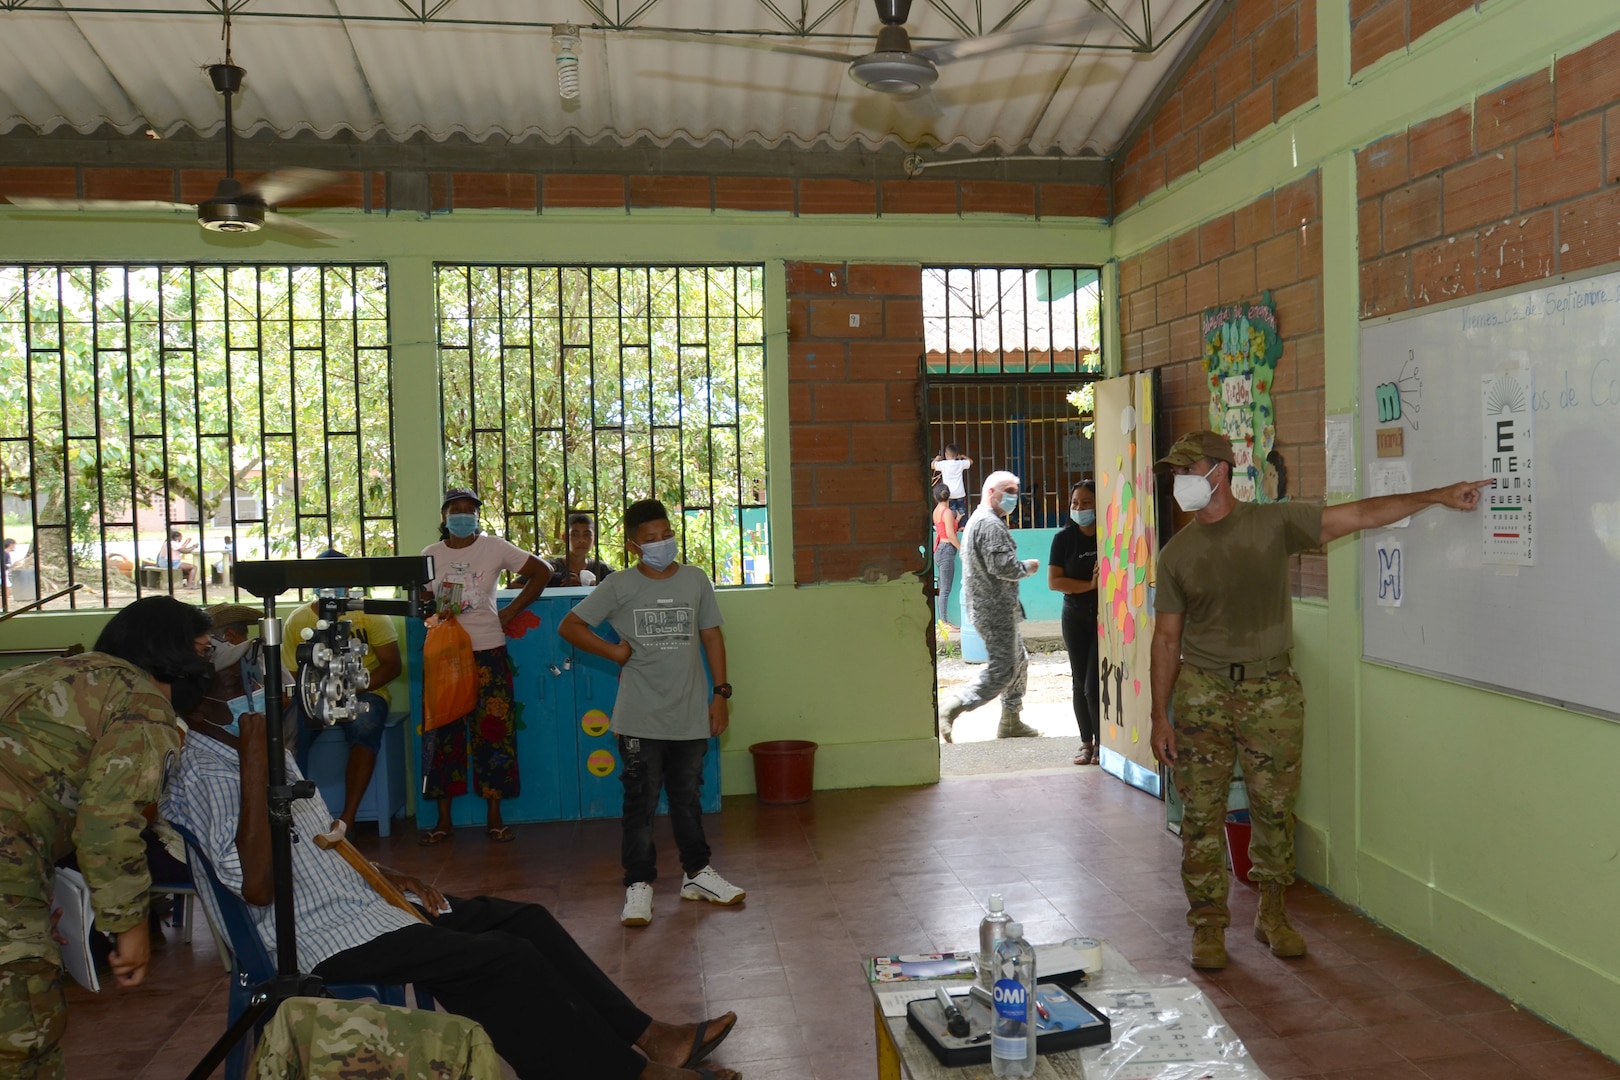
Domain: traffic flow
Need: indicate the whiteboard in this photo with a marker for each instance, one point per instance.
(1526, 600)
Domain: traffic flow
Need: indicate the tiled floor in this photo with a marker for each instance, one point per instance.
(854, 873)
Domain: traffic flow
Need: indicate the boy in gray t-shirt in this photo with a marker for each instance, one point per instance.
(667, 620)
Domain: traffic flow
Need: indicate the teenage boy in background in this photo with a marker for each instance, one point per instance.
(668, 621)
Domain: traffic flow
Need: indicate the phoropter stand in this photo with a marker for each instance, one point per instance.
(268, 580)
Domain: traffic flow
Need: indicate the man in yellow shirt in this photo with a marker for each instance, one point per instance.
(364, 733)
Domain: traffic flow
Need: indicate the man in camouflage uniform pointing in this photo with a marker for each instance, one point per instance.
(82, 745)
(1222, 636)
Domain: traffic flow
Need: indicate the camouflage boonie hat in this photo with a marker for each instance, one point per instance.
(1195, 446)
(226, 614)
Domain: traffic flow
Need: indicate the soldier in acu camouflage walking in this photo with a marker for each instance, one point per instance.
(1224, 687)
(991, 571)
(82, 745)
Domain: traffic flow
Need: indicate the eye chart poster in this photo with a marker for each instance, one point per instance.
(1509, 452)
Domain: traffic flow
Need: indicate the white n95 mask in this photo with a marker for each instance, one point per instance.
(1194, 492)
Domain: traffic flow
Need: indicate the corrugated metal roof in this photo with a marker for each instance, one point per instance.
(486, 69)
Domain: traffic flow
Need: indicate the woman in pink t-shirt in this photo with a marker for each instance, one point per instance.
(467, 567)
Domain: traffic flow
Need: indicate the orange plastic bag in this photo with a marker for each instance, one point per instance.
(449, 675)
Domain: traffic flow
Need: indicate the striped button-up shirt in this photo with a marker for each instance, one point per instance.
(333, 907)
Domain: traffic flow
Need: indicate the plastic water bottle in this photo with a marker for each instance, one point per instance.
(1012, 1038)
(990, 931)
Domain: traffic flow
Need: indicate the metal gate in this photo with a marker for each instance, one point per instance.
(1021, 423)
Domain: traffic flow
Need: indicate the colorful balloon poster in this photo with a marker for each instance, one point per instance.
(1127, 546)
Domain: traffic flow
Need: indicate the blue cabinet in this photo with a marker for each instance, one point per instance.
(568, 760)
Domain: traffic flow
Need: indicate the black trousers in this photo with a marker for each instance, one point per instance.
(676, 767)
(549, 1010)
(1080, 638)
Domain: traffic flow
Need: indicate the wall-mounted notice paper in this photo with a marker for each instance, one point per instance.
(1509, 457)
(1391, 582)
(1392, 478)
(1341, 471)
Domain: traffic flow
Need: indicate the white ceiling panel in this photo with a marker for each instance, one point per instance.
(486, 69)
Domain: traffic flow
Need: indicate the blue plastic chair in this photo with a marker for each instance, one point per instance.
(252, 964)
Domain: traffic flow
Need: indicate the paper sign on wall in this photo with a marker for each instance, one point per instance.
(1391, 478)
(1508, 446)
(1391, 578)
(1339, 439)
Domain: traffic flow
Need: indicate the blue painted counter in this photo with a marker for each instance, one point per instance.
(568, 760)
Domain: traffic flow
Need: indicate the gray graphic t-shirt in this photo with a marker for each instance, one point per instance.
(663, 693)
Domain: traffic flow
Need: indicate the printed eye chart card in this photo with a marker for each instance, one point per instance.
(1509, 451)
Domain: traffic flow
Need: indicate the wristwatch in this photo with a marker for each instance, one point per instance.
(723, 690)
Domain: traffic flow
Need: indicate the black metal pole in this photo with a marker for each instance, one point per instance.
(281, 797)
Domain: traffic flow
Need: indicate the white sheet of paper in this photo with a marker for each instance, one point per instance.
(1508, 447)
(894, 999)
(1390, 573)
(72, 895)
(1392, 478)
(1341, 458)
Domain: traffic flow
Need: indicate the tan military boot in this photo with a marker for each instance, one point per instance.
(1271, 925)
(1013, 727)
(1209, 948)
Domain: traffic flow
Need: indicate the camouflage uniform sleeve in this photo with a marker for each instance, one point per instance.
(999, 554)
(125, 774)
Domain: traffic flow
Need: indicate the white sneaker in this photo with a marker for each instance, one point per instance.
(710, 886)
(637, 905)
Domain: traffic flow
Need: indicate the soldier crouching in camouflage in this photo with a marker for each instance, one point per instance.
(1221, 669)
(82, 744)
(991, 571)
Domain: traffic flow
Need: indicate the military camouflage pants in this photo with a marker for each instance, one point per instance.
(1259, 722)
(1007, 672)
(33, 1016)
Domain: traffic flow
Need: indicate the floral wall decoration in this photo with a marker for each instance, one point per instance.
(1241, 350)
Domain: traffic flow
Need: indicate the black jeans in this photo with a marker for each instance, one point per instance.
(1080, 638)
(549, 1010)
(676, 766)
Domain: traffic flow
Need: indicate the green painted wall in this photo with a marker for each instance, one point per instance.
(1482, 826)
(844, 665)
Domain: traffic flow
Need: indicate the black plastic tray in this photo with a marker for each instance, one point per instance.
(927, 1019)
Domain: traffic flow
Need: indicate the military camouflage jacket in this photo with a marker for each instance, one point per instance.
(82, 746)
(323, 1039)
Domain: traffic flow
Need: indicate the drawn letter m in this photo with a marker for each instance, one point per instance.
(1389, 402)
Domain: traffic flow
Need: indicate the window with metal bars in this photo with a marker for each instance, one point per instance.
(161, 421)
(1008, 352)
(980, 320)
(580, 389)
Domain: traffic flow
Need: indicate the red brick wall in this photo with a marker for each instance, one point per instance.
(859, 446)
(1525, 185)
(556, 191)
(1259, 64)
(1274, 243)
(1381, 27)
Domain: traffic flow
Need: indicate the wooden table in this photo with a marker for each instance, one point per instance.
(898, 1046)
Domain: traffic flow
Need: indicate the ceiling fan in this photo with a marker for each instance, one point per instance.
(234, 207)
(894, 68)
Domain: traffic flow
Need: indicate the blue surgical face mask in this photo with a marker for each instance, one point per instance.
(461, 525)
(658, 554)
(246, 703)
(1009, 502)
(1083, 518)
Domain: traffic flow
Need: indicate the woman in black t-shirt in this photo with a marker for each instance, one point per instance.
(1072, 570)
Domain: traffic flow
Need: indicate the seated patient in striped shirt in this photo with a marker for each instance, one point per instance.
(548, 1008)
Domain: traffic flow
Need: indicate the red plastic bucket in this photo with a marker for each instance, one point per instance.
(784, 770)
(1237, 844)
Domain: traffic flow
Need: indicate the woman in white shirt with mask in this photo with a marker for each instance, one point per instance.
(467, 566)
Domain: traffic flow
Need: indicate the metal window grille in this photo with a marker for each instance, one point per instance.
(1012, 320)
(580, 389)
(245, 407)
(1004, 350)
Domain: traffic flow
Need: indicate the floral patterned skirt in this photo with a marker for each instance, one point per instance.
(493, 724)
